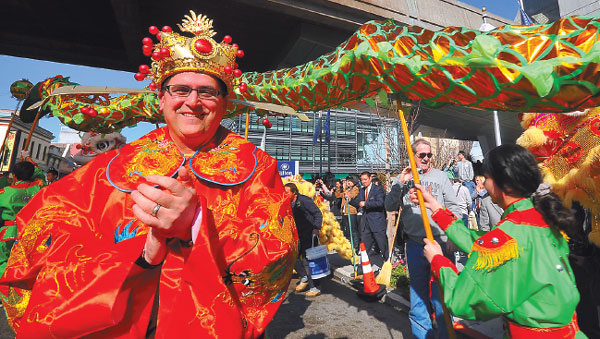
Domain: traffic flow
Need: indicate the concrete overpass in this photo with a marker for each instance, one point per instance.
(273, 33)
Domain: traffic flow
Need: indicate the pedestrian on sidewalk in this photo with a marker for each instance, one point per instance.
(350, 224)
(488, 213)
(309, 220)
(373, 225)
(520, 269)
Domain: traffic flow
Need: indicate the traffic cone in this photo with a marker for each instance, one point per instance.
(371, 290)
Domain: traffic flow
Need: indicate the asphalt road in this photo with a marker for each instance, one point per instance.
(5, 330)
(336, 313)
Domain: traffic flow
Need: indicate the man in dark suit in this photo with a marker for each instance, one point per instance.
(308, 220)
(373, 224)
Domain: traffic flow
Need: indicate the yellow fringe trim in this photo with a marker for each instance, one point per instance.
(489, 259)
(564, 234)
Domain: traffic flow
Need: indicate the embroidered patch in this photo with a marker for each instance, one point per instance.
(125, 233)
(494, 249)
(152, 154)
(230, 163)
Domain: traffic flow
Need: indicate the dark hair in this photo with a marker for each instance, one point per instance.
(351, 178)
(23, 170)
(463, 153)
(222, 86)
(366, 173)
(293, 187)
(516, 172)
(53, 171)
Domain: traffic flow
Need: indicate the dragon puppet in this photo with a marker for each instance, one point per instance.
(551, 68)
(567, 147)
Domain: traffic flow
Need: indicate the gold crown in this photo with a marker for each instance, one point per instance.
(174, 53)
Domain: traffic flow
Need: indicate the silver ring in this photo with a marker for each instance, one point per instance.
(155, 210)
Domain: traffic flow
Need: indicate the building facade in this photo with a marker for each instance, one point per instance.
(546, 11)
(15, 142)
(359, 141)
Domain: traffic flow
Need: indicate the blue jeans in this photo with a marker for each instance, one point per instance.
(420, 302)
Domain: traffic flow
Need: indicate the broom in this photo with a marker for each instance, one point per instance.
(385, 274)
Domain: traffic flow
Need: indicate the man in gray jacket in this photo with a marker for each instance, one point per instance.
(437, 182)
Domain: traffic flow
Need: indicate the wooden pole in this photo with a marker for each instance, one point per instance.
(37, 117)
(12, 119)
(426, 225)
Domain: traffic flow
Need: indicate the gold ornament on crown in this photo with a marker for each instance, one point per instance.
(175, 53)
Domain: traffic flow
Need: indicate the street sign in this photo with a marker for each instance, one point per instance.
(288, 168)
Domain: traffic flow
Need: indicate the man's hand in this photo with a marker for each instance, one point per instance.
(347, 195)
(428, 198)
(431, 249)
(405, 175)
(361, 204)
(178, 201)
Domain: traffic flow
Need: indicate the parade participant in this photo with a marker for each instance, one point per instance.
(421, 295)
(38, 175)
(185, 231)
(12, 199)
(51, 176)
(308, 220)
(519, 270)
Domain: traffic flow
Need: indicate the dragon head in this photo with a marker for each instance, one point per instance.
(93, 144)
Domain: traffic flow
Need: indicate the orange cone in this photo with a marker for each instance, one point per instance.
(371, 290)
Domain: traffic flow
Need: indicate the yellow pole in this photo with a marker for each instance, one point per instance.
(426, 225)
(247, 124)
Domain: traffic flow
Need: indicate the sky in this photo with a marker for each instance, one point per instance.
(13, 69)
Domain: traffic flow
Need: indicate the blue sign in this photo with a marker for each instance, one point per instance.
(288, 168)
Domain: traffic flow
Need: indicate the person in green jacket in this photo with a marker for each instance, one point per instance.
(520, 269)
(12, 199)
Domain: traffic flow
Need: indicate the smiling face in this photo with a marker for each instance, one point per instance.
(479, 180)
(192, 121)
(425, 162)
(365, 180)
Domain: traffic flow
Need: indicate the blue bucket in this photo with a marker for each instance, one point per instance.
(318, 264)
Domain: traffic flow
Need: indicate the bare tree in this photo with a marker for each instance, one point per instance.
(392, 152)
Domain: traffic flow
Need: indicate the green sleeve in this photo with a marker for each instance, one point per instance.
(462, 236)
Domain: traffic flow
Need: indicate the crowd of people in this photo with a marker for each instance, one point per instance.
(484, 211)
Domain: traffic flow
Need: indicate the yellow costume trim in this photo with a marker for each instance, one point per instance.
(494, 249)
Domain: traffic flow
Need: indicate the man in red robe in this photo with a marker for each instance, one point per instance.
(183, 232)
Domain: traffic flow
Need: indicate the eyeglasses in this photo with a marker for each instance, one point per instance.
(423, 155)
(183, 91)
